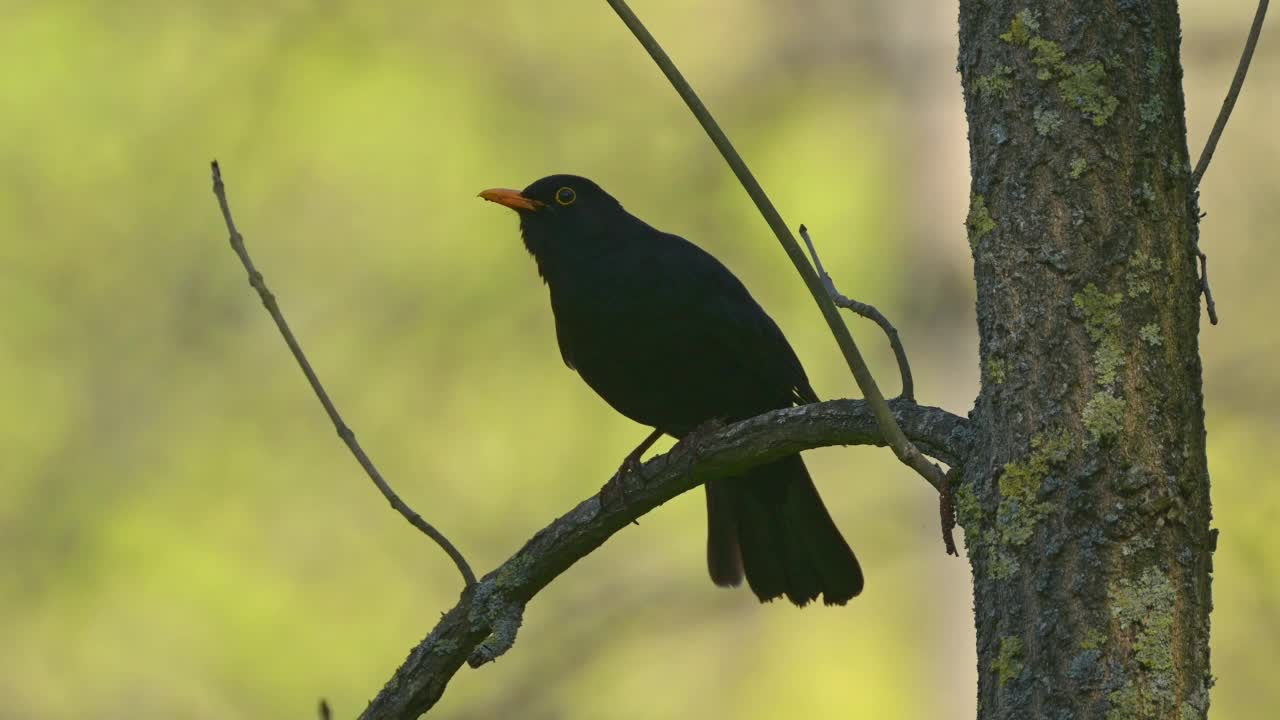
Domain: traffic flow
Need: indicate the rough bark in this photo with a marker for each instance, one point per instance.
(1086, 499)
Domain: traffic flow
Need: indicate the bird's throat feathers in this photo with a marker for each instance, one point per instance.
(538, 242)
(560, 244)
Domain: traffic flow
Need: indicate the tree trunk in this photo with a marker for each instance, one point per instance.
(1086, 500)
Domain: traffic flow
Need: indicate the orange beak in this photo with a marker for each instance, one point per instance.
(510, 198)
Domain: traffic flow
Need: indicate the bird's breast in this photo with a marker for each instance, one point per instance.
(615, 329)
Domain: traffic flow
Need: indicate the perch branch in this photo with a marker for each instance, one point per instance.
(344, 432)
(866, 311)
(483, 622)
(1233, 93)
(901, 445)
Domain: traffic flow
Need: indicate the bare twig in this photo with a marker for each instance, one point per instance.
(947, 511)
(1204, 288)
(1211, 144)
(483, 623)
(946, 502)
(866, 311)
(1228, 104)
(344, 432)
(324, 711)
(902, 447)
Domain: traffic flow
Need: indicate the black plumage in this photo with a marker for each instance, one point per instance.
(670, 338)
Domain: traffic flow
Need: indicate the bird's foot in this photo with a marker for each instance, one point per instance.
(614, 492)
(630, 466)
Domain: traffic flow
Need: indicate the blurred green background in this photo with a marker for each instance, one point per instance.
(181, 534)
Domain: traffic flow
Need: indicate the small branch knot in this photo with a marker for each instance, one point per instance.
(502, 616)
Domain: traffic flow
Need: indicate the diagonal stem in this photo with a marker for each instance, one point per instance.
(1229, 103)
(344, 432)
(902, 447)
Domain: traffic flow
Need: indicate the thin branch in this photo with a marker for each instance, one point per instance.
(344, 432)
(483, 620)
(1233, 94)
(946, 502)
(902, 447)
(866, 311)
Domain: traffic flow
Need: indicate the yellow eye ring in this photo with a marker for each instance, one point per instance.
(565, 196)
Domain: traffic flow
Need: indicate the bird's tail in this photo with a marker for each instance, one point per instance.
(771, 526)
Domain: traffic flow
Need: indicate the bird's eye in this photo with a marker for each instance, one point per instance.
(565, 196)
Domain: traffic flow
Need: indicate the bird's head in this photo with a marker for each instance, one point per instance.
(560, 214)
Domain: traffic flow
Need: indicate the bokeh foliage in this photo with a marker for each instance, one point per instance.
(183, 536)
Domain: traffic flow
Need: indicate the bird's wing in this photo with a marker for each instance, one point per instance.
(759, 344)
(727, 316)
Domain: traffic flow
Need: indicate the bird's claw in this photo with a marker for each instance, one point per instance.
(630, 465)
(614, 492)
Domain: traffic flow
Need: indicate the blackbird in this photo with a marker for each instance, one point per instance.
(670, 338)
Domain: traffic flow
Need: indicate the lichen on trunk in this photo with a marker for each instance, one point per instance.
(1086, 503)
